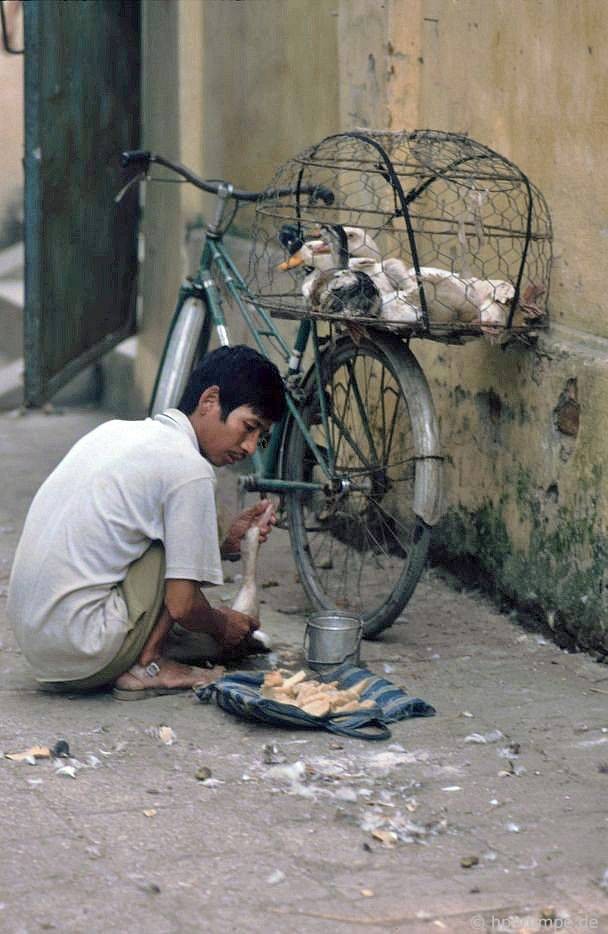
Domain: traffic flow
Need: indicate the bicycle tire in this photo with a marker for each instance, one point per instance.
(186, 345)
(373, 526)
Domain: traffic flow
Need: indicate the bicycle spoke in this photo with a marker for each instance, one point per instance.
(346, 434)
(382, 400)
(373, 538)
(377, 505)
(341, 418)
(363, 414)
(358, 538)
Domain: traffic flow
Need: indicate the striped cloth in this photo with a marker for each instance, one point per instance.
(239, 693)
(393, 702)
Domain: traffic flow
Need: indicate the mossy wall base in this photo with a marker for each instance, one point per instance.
(527, 511)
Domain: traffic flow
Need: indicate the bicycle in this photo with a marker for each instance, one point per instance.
(356, 460)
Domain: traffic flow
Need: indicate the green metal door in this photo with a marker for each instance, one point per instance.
(82, 107)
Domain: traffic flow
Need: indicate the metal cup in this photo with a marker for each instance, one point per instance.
(331, 638)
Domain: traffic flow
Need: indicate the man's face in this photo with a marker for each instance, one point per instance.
(226, 442)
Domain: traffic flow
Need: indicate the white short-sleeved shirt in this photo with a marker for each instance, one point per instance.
(121, 487)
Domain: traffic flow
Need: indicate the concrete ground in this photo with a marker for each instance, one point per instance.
(427, 831)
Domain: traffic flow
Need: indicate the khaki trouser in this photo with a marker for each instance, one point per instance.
(143, 591)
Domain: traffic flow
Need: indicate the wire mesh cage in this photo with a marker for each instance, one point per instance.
(427, 233)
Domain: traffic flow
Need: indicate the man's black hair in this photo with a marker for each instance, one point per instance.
(244, 377)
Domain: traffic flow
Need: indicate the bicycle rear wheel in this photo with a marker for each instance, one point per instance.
(361, 546)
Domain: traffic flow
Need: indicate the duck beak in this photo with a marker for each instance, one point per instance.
(291, 263)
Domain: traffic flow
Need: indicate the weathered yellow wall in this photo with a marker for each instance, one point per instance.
(11, 138)
(527, 501)
(231, 89)
(270, 83)
(533, 87)
(172, 40)
(525, 77)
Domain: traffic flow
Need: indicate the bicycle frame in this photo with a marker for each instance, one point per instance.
(336, 437)
(266, 336)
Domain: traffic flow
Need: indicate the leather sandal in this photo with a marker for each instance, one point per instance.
(139, 674)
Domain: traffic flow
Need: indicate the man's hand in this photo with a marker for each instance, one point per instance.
(261, 514)
(188, 606)
(231, 628)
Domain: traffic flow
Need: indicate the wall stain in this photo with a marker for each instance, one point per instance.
(566, 414)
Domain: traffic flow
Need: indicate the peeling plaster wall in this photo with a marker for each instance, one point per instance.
(527, 445)
(527, 504)
(524, 431)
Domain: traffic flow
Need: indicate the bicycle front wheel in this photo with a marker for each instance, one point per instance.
(359, 544)
(186, 345)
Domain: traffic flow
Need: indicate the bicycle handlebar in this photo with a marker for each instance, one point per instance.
(141, 159)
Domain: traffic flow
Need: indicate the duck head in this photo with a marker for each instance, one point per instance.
(333, 246)
(336, 240)
(313, 253)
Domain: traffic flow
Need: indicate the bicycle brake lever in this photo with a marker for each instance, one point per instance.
(140, 177)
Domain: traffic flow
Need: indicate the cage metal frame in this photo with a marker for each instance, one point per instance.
(404, 199)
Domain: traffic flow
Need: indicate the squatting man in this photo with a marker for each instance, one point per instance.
(106, 584)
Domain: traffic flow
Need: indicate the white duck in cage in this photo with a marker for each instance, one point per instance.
(343, 260)
(342, 289)
(450, 298)
(385, 275)
(316, 253)
(375, 270)
(361, 254)
(495, 314)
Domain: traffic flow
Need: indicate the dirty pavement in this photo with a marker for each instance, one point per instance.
(167, 815)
